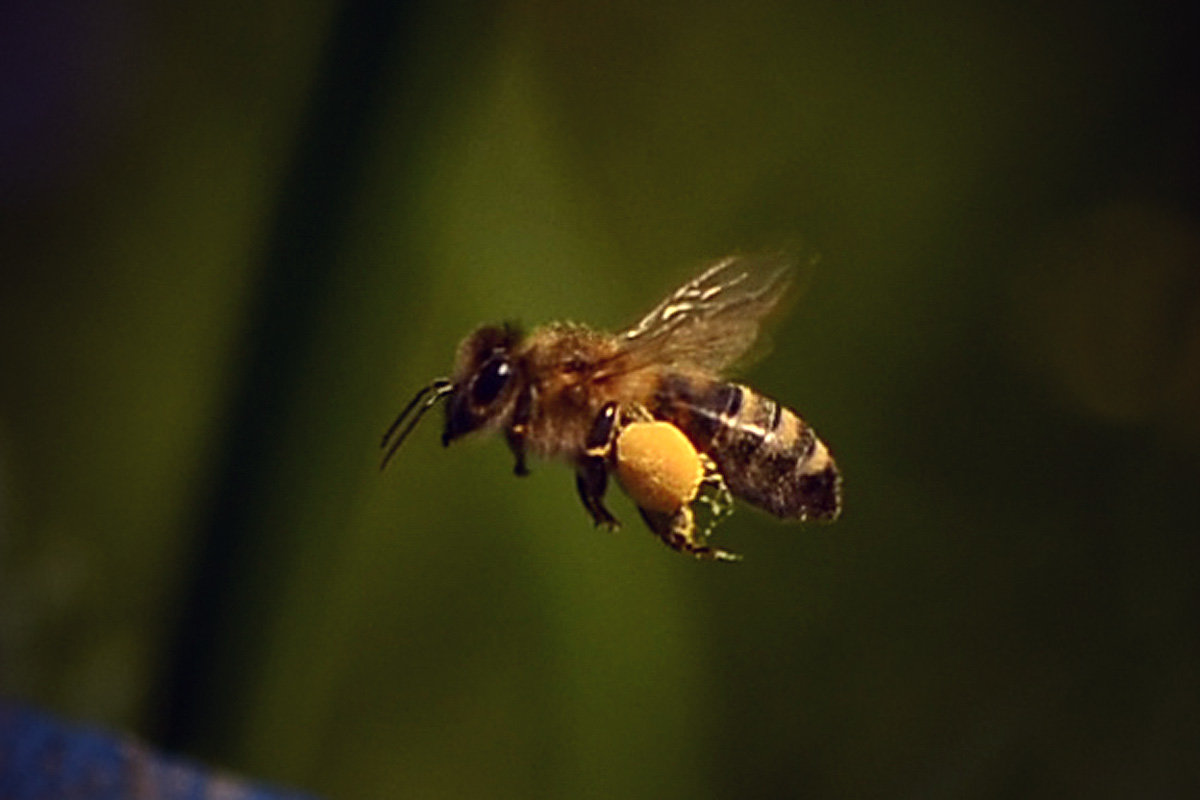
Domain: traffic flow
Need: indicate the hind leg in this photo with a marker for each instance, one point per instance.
(678, 531)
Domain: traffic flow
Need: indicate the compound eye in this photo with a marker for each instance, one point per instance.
(491, 381)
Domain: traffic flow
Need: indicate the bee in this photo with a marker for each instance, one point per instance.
(569, 392)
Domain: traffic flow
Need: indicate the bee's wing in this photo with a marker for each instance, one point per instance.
(711, 320)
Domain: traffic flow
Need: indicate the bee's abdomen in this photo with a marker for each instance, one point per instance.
(767, 454)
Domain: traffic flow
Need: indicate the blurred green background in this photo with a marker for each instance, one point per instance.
(235, 238)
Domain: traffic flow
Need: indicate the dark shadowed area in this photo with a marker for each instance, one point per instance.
(235, 239)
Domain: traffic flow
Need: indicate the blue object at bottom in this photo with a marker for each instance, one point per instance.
(42, 758)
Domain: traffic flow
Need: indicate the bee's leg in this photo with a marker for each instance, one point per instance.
(591, 479)
(516, 443)
(714, 496)
(515, 435)
(591, 476)
(678, 531)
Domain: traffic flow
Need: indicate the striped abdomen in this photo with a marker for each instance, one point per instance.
(768, 456)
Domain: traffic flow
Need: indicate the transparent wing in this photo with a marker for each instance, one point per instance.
(713, 319)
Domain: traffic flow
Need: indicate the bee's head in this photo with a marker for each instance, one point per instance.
(482, 390)
(485, 380)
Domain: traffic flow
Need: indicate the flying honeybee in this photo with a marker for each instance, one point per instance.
(567, 391)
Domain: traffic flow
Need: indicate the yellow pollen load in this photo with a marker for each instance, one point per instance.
(657, 466)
